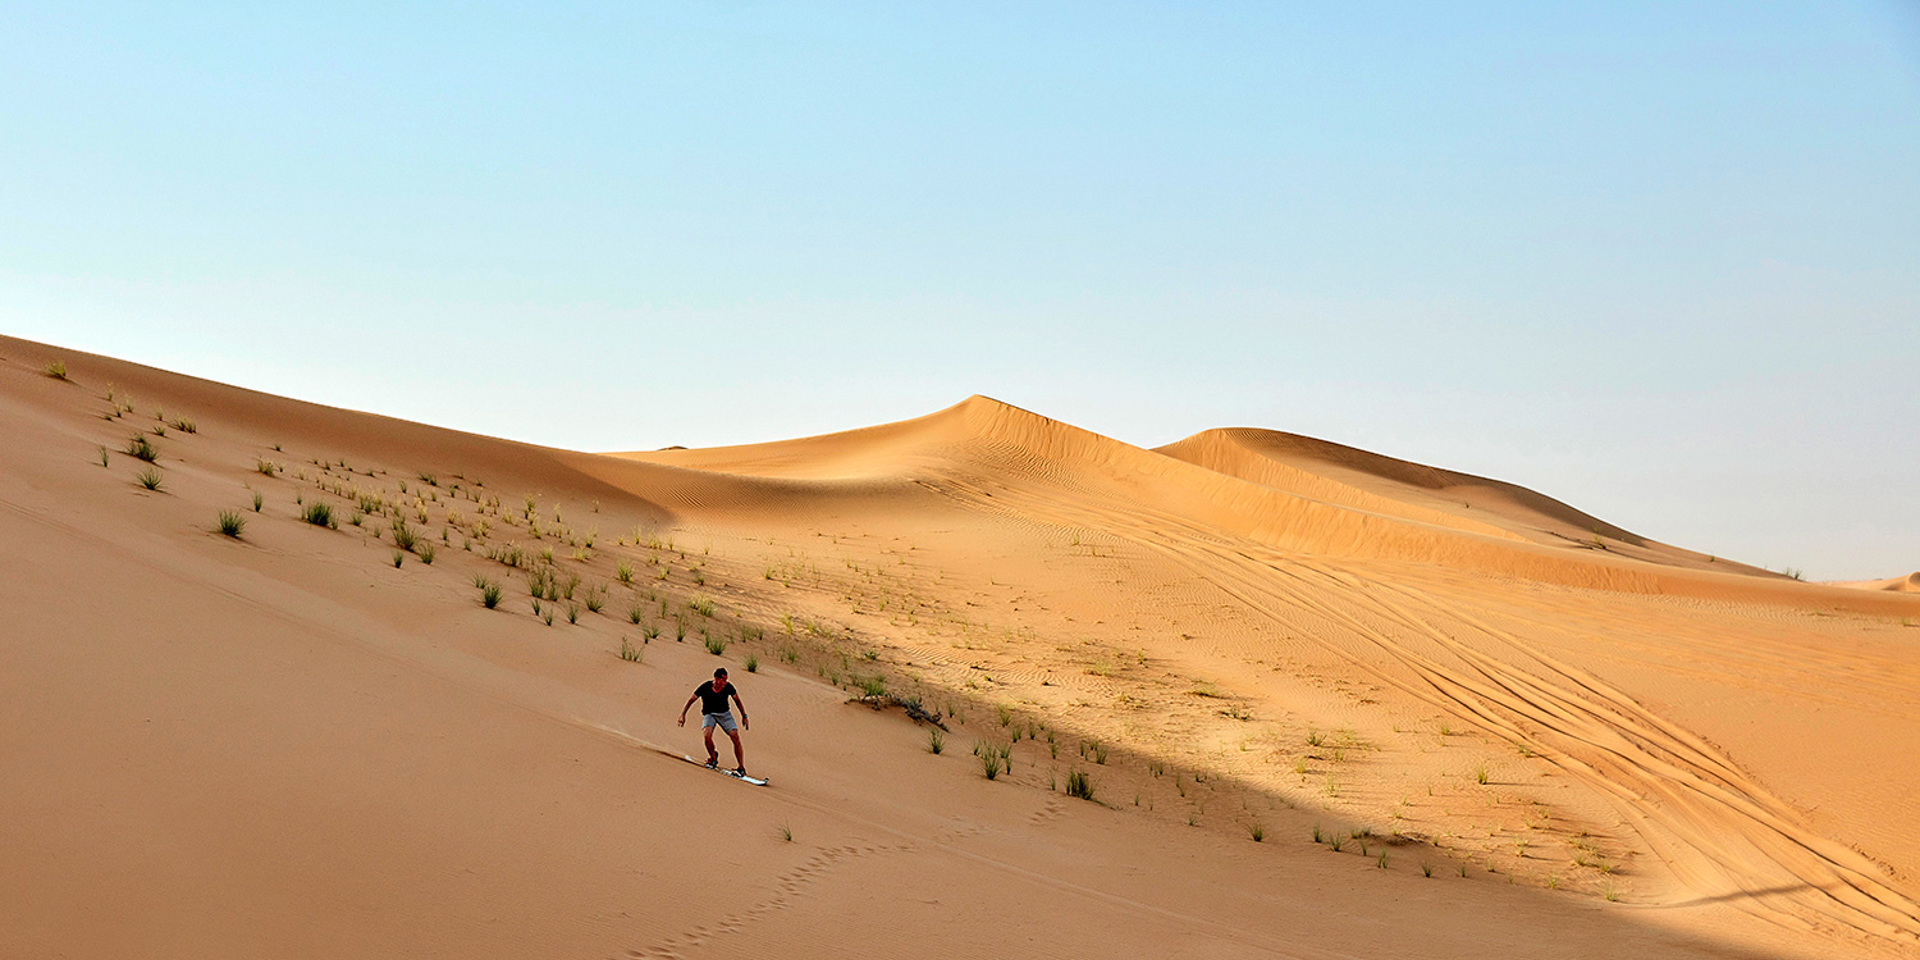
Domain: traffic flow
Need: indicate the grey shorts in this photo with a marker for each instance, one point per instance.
(722, 720)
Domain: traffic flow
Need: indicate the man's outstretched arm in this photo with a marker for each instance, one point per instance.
(689, 704)
(743, 708)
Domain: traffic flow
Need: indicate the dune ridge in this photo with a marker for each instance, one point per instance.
(985, 437)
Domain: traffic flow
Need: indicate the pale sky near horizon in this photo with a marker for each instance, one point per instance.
(1660, 261)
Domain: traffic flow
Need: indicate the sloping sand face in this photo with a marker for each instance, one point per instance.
(1321, 712)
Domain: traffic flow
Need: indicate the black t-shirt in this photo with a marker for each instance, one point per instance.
(712, 701)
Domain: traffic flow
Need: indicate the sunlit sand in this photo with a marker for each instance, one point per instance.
(1311, 701)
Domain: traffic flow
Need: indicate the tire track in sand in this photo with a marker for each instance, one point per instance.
(1721, 832)
(1717, 828)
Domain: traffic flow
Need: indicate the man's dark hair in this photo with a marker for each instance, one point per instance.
(720, 672)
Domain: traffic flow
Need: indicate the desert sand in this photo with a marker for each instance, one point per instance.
(1327, 703)
(1907, 584)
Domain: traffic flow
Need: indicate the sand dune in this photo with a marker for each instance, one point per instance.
(1239, 482)
(1338, 474)
(1530, 732)
(1907, 584)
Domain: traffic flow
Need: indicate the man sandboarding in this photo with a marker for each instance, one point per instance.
(714, 712)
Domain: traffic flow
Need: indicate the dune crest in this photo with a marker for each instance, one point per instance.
(1295, 493)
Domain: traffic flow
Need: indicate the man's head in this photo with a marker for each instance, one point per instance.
(720, 678)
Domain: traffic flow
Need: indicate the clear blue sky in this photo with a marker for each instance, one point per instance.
(1659, 260)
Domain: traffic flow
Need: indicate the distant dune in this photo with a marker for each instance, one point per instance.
(1907, 584)
(1249, 694)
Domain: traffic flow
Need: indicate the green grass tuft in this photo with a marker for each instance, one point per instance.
(149, 478)
(716, 645)
(56, 369)
(257, 501)
(1079, 785)
(399, 556)
(990, 763)
(752, 663)
(140, 448)
(425, 553)
(318, 514)
(1256, 831)
(489, 593)
(230, 522)
(629, 652)
(403, 535)
(873, 686)
(936, 741)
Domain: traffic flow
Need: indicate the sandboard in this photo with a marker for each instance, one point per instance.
(743, 778)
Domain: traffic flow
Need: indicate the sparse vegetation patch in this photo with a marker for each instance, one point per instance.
(319, 514)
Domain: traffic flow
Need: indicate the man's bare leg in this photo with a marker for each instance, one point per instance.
(739, 756)
(713, 756)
